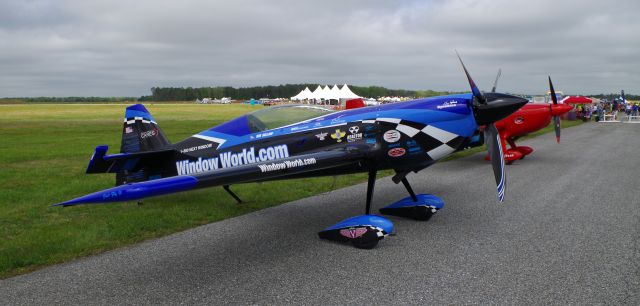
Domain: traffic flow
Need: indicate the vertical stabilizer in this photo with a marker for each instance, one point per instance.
(141, 132)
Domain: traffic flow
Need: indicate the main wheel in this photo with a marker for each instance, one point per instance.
(367, 241)
(422, 213)
(364, 243)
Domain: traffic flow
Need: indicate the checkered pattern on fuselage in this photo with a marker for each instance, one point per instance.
(436, 142)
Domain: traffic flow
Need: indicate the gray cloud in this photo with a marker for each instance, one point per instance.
(121, 48)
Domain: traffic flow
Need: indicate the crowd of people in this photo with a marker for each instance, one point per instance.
(608, 108)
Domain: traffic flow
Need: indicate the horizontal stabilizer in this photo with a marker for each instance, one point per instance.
(131, 162)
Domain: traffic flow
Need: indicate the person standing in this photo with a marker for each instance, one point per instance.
(600, 112)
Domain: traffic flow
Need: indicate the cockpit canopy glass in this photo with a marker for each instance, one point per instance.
(279, 116)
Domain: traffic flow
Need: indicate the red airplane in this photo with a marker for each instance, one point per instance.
(528, 119)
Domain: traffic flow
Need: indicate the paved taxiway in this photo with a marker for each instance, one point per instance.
(567, 233)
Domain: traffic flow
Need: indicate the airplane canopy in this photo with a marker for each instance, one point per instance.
(270, 118)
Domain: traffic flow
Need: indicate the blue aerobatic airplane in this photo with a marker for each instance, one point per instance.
(295, 141)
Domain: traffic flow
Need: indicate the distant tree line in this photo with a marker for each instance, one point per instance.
(78, 99)
(615, 96)
(280, 91)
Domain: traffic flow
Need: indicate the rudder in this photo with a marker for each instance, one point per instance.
(141, 132)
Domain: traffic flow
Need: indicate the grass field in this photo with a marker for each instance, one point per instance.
(44, 150)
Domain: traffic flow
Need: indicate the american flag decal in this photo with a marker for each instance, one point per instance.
(128, 130)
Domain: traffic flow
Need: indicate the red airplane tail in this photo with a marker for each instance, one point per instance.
(354, 103)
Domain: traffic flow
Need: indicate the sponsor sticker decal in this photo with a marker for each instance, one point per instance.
(448, 104)
(354, 129)
(518, 120)
(337, 120)
(353, 232)
(413, 147)
(396, 152)
(197, 148)
(354, 137)
(338, 135)
(111, 195)
(321, 136)
(287, 164)
(232, 159)
(148, 134)
(267, 134)
(391, 136)
(369, 137)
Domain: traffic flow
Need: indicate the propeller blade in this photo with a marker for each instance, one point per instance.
(556, 119)
(487, 109)
(474, 89)
(553, 92)
(556, 124)
(495, 83)
(494, 148)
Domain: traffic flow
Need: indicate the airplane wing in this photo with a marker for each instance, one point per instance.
(274, 169)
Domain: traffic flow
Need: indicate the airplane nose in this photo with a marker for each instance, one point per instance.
(559, 109)
(498, 107)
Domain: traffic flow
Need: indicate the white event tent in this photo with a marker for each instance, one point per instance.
(334, 93)
(346, 93)
(303, 95)
(317, 94)
(326, 93)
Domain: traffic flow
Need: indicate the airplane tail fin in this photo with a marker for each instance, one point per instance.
(354, 103)
(141, 132)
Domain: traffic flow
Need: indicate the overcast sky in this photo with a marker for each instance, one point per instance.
(123, 48)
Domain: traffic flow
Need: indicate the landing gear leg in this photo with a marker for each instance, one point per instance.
(226, 188)
(409, 189)
(371, 183)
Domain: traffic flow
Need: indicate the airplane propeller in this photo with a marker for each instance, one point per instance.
(556, 119)
(495, 83)
(487, 109)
